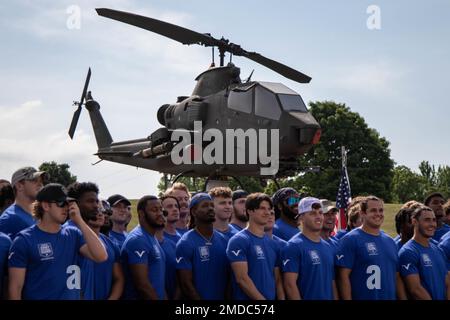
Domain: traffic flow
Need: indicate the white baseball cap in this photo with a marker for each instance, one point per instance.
(306, 204)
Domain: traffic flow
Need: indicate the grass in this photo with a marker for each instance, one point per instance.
(388, 226)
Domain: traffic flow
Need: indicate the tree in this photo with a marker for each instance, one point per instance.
(58, 173)
(369, 165)
(407, 185)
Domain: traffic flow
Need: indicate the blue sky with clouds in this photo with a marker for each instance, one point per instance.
(395, 77)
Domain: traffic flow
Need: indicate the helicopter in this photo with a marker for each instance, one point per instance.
(219, 104)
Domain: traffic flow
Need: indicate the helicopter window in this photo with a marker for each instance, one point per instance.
(241, 101)
(291, 102)
(266, 104)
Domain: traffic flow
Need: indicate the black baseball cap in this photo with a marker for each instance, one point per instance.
(116, 198)
(239, 194)
(53, 192)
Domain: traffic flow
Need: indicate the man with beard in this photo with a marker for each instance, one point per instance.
(436, 202)
(26, 183)
(285, 202)
(106, 209)
(253, 255)
(329, 222)
(308, 259)
(223, 207)
(143, 258)
(43, 260)
(181, 192)
(121, 207)
(172, 210)
(367, 259)
(239, 218)
(202, 265)
(404, 226)
(423, 265)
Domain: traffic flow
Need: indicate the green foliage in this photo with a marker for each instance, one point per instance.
(58, 173)
(407, 185)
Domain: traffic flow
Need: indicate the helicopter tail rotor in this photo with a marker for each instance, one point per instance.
(76, 114)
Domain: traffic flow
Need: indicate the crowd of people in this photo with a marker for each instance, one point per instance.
(60, 243)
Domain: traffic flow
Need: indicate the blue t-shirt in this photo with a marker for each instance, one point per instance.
(340, 234)
(334, 244)
(51, 263)
(313, 261)
(229, 233)
(429, 263)
(140, 247)
(96, 278)
(238, 228)
(118, 238)
(173, 237)
(374, 263)
(15, 219)
(283, 230)
(439, 232)
(261, 255)
(5, 244)
(169, 248)
(207, 261)
(444, 245)
(182, 231)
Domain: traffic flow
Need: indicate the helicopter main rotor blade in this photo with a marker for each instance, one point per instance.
(174, 32)
(76, 114)
(278, 67)
(73, 124)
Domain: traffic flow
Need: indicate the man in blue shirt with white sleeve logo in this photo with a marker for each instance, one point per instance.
(308, 259)
(285, 202)
(422, 263)
(202, 264)
(43, 258)
(143, 258)
(367, 259)
(253, 255)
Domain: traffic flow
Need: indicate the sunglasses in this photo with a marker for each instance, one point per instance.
(291, 201)
(60, 204)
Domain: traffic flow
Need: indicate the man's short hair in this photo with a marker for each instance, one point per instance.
(254, 200)
(432, 195)
(77, 189)
(365, 202)
(356, 201)
(169, 197)
(177, 186)
(403, 216)
(6, 193)
(222, 192)
(411, 204)
(418, 212)
(142, 203)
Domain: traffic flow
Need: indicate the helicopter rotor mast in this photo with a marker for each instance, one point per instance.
(188, 37)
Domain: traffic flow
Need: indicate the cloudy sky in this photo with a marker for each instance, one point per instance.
(396, 76)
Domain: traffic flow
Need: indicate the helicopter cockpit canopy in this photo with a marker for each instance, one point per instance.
(265, 99)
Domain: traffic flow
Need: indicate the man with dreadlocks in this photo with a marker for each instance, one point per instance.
(285, 202)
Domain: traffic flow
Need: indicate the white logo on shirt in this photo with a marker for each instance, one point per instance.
(339, 257)
(286, 261)
(259, 252)
(10, 255)
(178, 259)
(140, 253)
(236, 253)
(406, 266)
(204, 253)
(45, 251)
(372, 248)
(315, 258)
(426, 260)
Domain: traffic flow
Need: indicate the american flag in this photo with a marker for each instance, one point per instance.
(343, 198)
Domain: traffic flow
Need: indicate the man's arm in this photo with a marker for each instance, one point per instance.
(344, 285)
(335, 291)
(16, 281)
(279, 283)
(447, 282)
(118, 282)
(401, 291)
(93, 248)
(415, 288)
(139, 275)
(187, 284)
(240, 269)
(290, 285)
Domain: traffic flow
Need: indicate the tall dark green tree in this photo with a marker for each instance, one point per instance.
(370, 168)
(407, 185)
(58, 173)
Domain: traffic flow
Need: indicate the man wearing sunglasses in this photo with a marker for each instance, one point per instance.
(121, 207)
(26, 183)
(285, 202)
(43, 260)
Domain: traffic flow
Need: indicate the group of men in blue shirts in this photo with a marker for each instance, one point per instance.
(229, 245)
